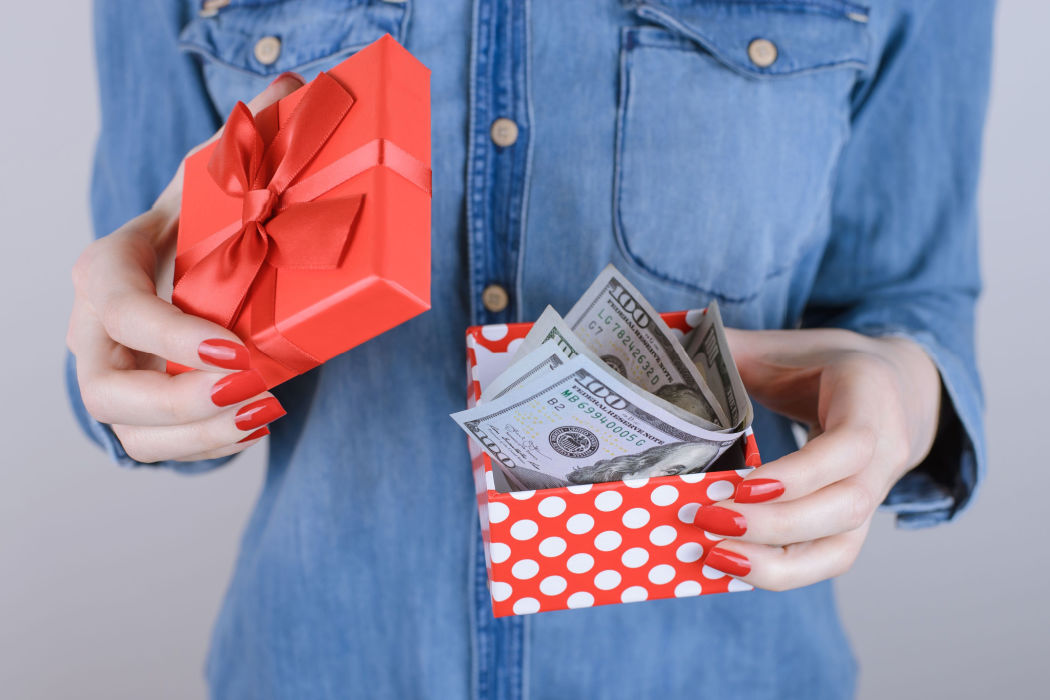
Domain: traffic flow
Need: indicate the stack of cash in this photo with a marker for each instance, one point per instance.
(609, 393)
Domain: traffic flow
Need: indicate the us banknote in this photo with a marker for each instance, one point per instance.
(581, 423)
(616, 322)
(709, 350)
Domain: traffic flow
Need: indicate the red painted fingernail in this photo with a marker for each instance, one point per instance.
(261, 432)
(237, 387)
(720, 521)
(289, 74)
(224, 353)
(758, 490)
(259, 413)
(728, 562)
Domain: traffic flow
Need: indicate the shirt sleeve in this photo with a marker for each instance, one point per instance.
(902, 259)
(154, 108)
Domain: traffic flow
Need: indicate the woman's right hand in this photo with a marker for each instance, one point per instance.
(122, 331)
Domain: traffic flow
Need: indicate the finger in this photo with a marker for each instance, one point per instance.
(784, 568)
(830, 457)
(841, 507)
(228, 450)
(178, 442)
(151, 398)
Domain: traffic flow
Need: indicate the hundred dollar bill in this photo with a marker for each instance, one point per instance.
(617, 323)
(582, 424)
(529, 362)
(709, 349)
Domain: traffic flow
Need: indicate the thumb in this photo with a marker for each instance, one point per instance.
(282, 86)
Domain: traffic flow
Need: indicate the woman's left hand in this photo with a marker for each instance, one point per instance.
(872, 405)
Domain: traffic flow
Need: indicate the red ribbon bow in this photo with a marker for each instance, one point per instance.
(280, 226)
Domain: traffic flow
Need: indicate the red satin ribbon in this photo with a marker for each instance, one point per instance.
(281, 224)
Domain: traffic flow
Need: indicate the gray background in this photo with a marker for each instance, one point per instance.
(110, 579)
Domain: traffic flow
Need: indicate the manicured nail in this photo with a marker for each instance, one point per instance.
(224, 353)
(758, 490)
(259, 413)
(237, 387)
(728, 562)
(261, 432)
(289, 74)
(720, 521)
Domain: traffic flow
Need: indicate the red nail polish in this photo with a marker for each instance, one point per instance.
(728, 562)
(261, 432)
(289, 74)
(758, 490)
(224, 353)
(237, 387)
(259, 413)
(720, 521)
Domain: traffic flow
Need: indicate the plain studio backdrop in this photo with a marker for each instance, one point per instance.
(110, 578)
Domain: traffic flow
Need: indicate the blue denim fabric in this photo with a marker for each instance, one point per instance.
(835, 187)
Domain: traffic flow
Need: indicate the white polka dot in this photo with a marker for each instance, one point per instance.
(522, 495)
(525, 568)
(634, 557)
(499, 552)
(524, 529)
(736, 584)
(496, 331)
(693, 317)
(490, 481)
(579, 488)
(512, 346)
(501, 591)
(678, 334)
(552, 585)
(720, 490)
(633, 594)
(608, 541)
(579, 523)
(712, 574)
(745, 471)
(526, 606)
(664, 495)
(551, 507)
(498, 512)
(687, 512)
(661, 574)
(635, 518)
(552, 546)
(474, 372)
(607, 501)
(713, 537)
(692, 478)
(580, 600)
(607, 580)
(687, 588)
(664, 534)
(580, 563)
(689, 552)
(636, 483)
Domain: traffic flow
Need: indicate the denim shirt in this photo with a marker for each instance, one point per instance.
(834, 186)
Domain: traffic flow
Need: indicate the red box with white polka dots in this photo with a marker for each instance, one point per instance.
(595, 544)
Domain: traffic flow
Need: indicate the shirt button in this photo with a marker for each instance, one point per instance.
(504, 132)
(495, 298)
(762, 52)
(267, 50)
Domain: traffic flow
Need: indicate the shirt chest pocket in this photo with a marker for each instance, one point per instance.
(247, 43)
(730, 120)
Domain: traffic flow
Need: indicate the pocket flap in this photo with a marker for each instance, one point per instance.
(808, 35)
(308, 31)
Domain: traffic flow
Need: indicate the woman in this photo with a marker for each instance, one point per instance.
(810, 165)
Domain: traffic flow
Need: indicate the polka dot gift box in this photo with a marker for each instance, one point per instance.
(595, 544)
